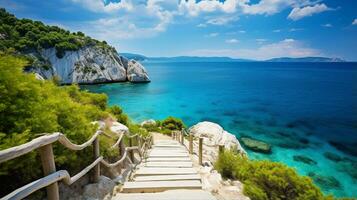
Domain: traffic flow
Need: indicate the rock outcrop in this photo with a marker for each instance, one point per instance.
(215, 135)
(256, 145)
(88, 65)
(136, 72)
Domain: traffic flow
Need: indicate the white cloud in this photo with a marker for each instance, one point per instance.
(327, 25)
(299, 13)
(295, 29)
(232, 41)
(100, 6)
(221, 20)
(261, 40)
(202, 25)
(284, 48)
(212, 35)
(354, 22)
(276, 31)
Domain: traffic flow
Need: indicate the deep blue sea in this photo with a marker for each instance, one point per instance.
(301, 109)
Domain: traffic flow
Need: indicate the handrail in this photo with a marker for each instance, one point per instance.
(62, 175)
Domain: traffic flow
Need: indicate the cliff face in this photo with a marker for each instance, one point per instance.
(90, 64)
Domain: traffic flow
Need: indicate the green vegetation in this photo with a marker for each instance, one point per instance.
(165, 126)
(265, 180)
(29, 108)
(25, 35)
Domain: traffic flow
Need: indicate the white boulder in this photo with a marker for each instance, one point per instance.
(214, 135)
(101, 190)
(149, 122)
(136, 72)
(119, 128)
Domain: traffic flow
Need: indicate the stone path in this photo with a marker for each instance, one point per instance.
(167, 173)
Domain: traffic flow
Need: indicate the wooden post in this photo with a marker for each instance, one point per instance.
(96, 169)
(221, 149)
(191, 144)
(49, 167)
(121, 154)
(182, 136)
(131, 153)
(200, 142)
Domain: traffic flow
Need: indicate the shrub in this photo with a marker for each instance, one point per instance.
(119, 115)
(29, 107)
(172, 123)
(265, 180)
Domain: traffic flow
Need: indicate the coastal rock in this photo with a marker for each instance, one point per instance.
(149, 122)
(101, 190)
(136, 72)
(88, 65)
(256, 145)
(326, 182)
(304, 159)
(119, 128)
(214, 135)
(332, 156)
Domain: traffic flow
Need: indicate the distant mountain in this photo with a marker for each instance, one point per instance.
(134, 56)
(225, 59)
(305, 59)
(182, 58)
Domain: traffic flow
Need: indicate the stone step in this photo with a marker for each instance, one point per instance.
(167, 195)
(160, 186)
(169, 164)
(168, 177)
(167, 151)
(168, 154)
(168, 159)
(151, 171)
(169, 146)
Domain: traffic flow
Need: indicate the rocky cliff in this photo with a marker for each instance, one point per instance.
(88, 65)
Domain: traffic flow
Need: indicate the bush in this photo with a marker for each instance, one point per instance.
(29, 107)
(172, 123)
(119, 115)
(265, 180)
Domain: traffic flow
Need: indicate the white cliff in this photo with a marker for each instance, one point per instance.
(90, 64)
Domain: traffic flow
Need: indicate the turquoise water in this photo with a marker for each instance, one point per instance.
(299, 108)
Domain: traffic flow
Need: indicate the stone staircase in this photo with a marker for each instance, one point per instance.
(166, 174)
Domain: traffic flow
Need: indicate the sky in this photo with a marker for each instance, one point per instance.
(250, 29)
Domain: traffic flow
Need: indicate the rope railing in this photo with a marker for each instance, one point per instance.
(52, 177)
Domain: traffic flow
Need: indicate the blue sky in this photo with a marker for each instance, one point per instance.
(253, 29)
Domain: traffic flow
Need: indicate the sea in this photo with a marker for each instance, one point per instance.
(307, 112)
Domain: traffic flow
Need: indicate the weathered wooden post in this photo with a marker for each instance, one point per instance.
(96, 169)
(131, 153)
(182, 136)
(200, 143)
(49, 167)
(121, 154)
(191, 144)
(221, 149)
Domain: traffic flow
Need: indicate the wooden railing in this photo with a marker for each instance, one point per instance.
(180, 136)
(52, 177)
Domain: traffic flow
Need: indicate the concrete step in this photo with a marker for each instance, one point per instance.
(160, 186)
(168, 154)
(168, 151)
(168, 177)
(167, 195)
(168, 159)
(169, 164)
(168, 146)
(151, 171)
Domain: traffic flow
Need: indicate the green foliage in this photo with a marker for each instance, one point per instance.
(120, 116)
(264, 180)
(172, 123)
(27, 35)
(29, 107)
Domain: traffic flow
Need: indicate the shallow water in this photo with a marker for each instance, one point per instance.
(299, 108)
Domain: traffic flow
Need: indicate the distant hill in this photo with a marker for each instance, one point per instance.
(134, 56)
(182, 58)
(140, 57)
(305, 59)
